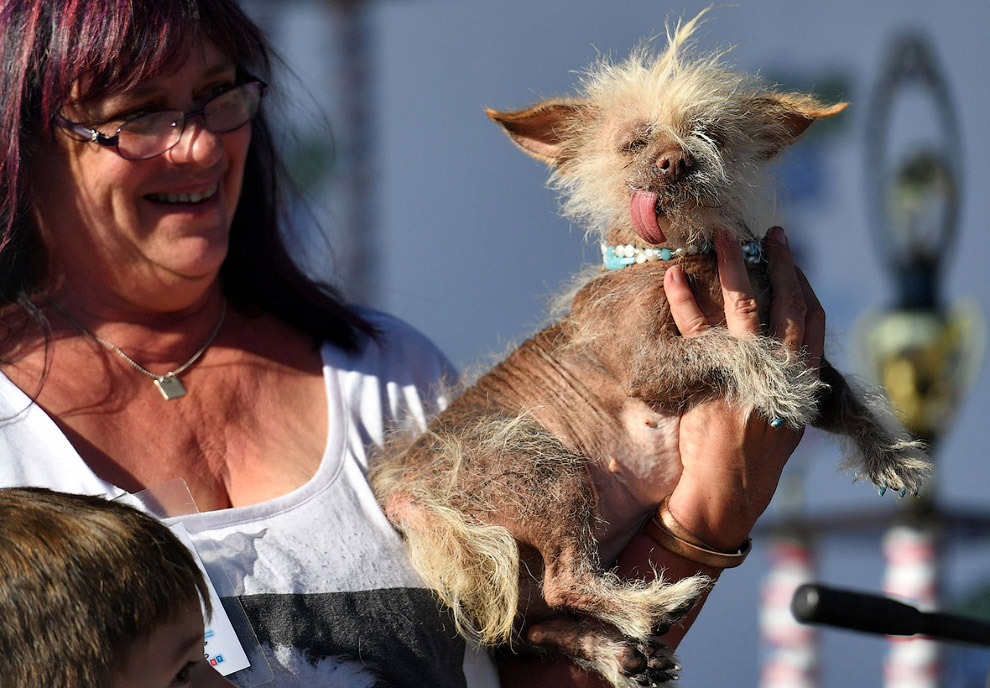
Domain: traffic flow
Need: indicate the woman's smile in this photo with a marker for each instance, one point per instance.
(194, 197)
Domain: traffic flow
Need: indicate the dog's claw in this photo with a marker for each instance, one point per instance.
(655, 680)
(662, 629)
(882, 490)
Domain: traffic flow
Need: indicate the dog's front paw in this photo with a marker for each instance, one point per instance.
(762, 374)
(876, 444)
(901, 468)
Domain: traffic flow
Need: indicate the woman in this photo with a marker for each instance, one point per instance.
(155, 329)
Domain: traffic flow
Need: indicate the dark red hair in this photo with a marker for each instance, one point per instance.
(49, 47)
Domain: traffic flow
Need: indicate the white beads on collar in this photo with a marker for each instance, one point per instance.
(615, 257)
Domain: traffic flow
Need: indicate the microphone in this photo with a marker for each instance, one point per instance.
(818, 604)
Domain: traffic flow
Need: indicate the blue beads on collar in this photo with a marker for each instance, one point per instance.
(753, 252)
(616, 257)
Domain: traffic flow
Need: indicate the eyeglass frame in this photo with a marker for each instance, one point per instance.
(89, 134)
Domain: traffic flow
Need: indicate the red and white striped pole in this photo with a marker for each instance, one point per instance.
(790, 649)
(912, 575)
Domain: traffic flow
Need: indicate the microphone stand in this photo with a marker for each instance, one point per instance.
(819, 604)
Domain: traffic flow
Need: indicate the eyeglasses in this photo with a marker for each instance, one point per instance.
(149, 136)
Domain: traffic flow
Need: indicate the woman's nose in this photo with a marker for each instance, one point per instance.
(197, 144)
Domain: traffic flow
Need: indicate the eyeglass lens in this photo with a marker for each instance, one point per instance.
(151, 135)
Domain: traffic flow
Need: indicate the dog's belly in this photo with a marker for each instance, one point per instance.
(651, 455)
(641, 465)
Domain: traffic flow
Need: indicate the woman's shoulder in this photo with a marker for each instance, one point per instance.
(398, 364)
(393, 327)
(397, 376)
(395, 344)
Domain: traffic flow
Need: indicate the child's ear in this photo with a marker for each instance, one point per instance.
(541, 130)
(789, 116)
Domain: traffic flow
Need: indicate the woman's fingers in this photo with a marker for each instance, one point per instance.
(788, 309)
(742, 316)
(796, 316)
(684, 309)
(814, 324)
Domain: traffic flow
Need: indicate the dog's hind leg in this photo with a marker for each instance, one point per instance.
(637, 608)
(542, 493)
(603, 634)
(607, 624)
(598, 647)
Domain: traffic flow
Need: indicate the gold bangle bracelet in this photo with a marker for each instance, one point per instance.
(664, 529)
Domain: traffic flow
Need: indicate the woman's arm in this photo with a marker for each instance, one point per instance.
(732, 460)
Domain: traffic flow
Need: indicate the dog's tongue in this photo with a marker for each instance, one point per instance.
(642, 209)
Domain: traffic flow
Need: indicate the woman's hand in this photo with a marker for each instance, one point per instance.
(732, 460)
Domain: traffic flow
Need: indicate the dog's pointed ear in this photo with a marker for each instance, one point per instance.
(789, 115)
(541, 130)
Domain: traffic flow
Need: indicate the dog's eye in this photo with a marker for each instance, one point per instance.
(710, 131)
(634, 145)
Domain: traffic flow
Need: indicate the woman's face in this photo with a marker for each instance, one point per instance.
(150, 233)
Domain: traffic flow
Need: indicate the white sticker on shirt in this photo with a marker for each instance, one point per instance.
(223, 650)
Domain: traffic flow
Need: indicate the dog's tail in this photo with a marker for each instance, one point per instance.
(472, 567)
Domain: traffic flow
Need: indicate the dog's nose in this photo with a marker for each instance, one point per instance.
(675, 163)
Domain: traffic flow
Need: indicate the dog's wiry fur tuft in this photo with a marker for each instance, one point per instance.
(499, 499)
(474, 566)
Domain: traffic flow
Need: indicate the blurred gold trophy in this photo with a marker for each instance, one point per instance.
(925, 354)
(926, 360)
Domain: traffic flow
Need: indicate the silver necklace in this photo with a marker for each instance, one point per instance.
(168, 384)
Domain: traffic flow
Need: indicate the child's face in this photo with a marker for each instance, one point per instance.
(171, 656)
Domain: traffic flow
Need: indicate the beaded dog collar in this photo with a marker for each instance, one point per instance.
(616, 257)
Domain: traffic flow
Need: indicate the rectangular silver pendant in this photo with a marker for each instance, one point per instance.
(170, 387)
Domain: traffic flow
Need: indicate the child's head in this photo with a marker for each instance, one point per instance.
(96, 594)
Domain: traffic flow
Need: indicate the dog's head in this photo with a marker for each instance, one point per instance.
(665, 148)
